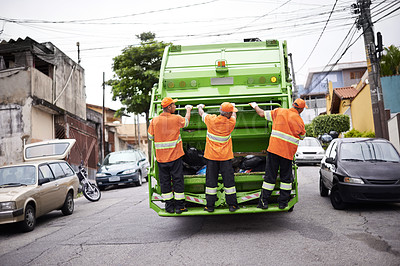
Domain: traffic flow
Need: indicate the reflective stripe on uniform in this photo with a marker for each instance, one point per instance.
(167, 196)
(167, 144)
(230, 190)
(179, 196)
(268, 186)
(286, 186)
(302, 136)
(211, 190)
(267, 115)
(186, 122)
(151, 137)
(220, 139)
(285, 137)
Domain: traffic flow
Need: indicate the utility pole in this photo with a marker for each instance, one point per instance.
(79, 53)
(378, 109)
(103, 119)
(295, 92)
(138, 129)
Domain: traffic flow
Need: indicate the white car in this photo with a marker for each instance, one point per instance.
(309, 151)
(41, 184)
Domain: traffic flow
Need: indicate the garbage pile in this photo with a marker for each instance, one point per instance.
(194, 163)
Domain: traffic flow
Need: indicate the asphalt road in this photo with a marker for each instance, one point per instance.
(121, 229)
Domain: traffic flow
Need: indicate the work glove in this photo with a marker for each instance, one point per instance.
(188, 107)
(200, 106)
(253, 104)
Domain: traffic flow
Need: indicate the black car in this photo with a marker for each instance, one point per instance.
(360, 170)
(123, 168)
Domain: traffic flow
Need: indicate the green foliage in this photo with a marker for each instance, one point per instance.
(136, 70)
(326, 123)
(390, 61)
(309, 130)
(354, 133)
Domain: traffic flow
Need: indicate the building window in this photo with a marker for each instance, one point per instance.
(356, 75)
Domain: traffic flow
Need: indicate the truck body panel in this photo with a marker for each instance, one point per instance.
(213, 74)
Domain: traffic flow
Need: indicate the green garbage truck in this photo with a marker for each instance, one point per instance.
(212, 74)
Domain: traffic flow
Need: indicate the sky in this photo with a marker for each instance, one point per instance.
(317, 31)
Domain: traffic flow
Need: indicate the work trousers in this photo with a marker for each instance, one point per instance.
(214, 168)
(273, 163)
(167, 172)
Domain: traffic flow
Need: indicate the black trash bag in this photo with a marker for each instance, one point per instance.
(194, 157)
(236, 163)
(193, 161)
(255, 163)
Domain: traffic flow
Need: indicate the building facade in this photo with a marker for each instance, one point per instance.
(42, 96)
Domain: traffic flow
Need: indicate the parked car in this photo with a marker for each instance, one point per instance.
(360, 170)
(309, 151)
(123, 168)
(40, 185)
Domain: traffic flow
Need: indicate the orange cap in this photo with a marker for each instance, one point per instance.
(228, 107)
(167, 101)
(300, 103)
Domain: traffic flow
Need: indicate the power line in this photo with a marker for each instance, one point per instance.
(323, 30)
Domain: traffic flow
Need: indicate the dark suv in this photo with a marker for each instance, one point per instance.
(123, 168)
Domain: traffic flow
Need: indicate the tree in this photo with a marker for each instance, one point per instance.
(136, 71)
(390, 61)
(334, 122)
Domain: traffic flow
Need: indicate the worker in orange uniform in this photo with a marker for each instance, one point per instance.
(164, 130)
(219, 154)
(287, 129)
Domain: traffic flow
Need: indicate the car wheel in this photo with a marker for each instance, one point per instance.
(140, 179)
(323, 191)
(29, 222)
(68, 207)
(336, 199)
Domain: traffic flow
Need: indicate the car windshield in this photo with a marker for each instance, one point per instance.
(369, 151)
(123, 157)
(17, 176)
(309, 142)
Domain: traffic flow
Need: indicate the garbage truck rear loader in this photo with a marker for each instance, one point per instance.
(212, 74)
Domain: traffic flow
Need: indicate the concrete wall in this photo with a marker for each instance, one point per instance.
(391, 93)
(15, 85)
(41, 85)
(394, 131)
(361, 111)
(15, 125)
(42, 125)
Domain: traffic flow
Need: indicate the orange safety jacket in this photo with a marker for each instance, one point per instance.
(287, 129)
(218, 140)
(164, 130)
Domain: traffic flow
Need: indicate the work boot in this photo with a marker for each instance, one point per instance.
(170, 206)
(262, 204)
(283, 205)
(233, 208)
(180, 210)
(209, 209)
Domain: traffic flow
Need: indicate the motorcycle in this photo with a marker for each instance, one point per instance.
(89, 190)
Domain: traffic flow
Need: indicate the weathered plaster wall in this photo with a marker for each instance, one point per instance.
(15, 125)
(15, 85)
